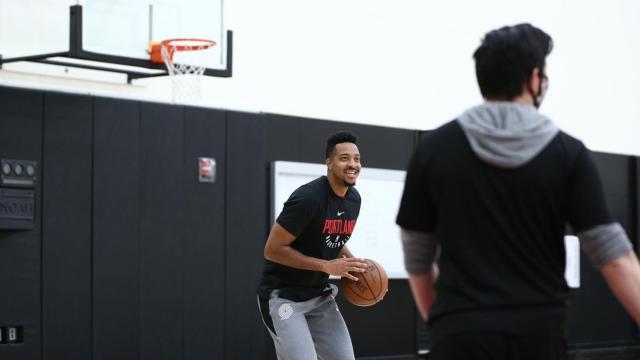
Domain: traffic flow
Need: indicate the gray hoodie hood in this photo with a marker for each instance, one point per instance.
(506, 134)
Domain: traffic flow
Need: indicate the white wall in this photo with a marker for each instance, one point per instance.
(405, 63)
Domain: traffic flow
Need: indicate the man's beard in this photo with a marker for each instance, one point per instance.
(347, 184)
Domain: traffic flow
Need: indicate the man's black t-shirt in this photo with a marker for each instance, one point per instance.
(501, 231)
(322, 223)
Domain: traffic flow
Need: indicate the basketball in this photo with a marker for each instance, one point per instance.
(370, 288)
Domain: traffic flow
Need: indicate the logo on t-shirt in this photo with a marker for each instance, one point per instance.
(337, 231)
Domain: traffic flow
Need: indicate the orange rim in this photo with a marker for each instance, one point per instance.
(202, 44)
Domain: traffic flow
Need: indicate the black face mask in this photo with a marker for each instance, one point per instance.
(537, 98)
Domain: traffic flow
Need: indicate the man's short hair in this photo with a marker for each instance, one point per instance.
(339, 138)
(507, 56)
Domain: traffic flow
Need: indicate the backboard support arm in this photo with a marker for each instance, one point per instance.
(76, 51)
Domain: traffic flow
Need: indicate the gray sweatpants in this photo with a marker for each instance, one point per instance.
(307, 330)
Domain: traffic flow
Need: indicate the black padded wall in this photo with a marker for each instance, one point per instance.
(291, 138)
(161, 232)
(283, 143)
(204, 250)
(246, 208)
(116, 218)
(132, 258)
(391, 323)
(380, 147)
(614, 324)
(283, 137)
(246, 229)
(20, 277)
(66, 240)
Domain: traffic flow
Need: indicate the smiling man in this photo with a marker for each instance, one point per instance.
(304, 247)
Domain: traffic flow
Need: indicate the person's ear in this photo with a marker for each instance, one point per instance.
(533, 83)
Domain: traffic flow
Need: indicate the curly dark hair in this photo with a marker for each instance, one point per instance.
(339, 138)
(506, 57)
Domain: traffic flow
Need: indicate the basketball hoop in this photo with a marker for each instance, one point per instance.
(185, 77)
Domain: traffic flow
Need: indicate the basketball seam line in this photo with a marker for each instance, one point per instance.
(375, 298)
(356, 293)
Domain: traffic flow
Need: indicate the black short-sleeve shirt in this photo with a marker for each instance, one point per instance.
(322, 223)
(500, 230)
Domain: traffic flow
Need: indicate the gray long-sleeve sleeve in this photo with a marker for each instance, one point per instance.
(605, 243)
(420, 251)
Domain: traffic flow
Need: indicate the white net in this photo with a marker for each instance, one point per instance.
(185, 77)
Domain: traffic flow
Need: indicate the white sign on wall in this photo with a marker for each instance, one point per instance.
(572, 269)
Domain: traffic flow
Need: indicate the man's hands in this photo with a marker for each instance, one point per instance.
(278, 249)
(344, 265)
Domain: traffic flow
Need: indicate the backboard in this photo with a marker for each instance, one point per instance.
(125, 27)
(115, 35)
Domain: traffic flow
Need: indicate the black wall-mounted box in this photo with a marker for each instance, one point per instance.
(18, 173)
(11, 335)
(17, 209)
